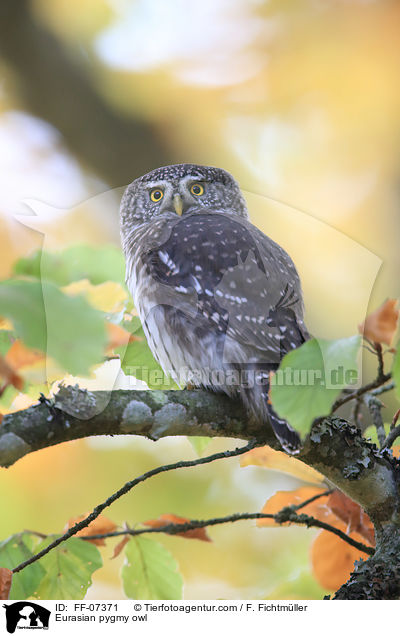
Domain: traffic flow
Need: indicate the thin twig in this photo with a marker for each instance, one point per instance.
(379, 353)
(285, 515)
(41, 535)
(394, 432)
(356, 412)
(383, 389)
(379, 381)
(392, 436)
(125, 489)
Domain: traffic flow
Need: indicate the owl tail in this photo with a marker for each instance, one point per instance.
(289, 439)
(257, 400)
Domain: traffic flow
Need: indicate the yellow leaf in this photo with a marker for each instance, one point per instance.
(6, 324)
(109, 297)
(277, 460)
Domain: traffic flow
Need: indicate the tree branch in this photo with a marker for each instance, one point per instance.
(375, 407)
(125, 489)
(378, 383)
(283, 516)
(75, 413)
(334, 447)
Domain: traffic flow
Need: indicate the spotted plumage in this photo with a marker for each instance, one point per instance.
(220, 302)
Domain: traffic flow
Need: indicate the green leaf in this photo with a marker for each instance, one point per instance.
(311, 377)
(396, 371)
(97, 263)
(68, 569)
(199, 443)
(150, 571)
(13, 551)
(67, 328)
(137, 360)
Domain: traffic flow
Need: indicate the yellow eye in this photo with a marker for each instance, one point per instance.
(197, 189)
(156, 195)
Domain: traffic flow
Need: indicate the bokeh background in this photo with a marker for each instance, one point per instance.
(299, 100)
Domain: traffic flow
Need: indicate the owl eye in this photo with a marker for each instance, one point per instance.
(156, 195)
(197, 189)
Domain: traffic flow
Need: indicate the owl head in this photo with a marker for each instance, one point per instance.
(178, 190)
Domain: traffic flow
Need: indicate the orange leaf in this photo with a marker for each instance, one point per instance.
(118, 337)
(120, 546)
(19, 355)
(167, 519)
(381, 325)
(277, 460)
(101, 525)
(294, 497)
(9, 375)
(5, 583)
(352, 515)
(333, 559)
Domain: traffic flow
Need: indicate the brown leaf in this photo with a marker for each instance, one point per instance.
(352, 515)
(101, 525)
(381, 325)
(277, 460)
(284, 498)
(9, 376)
(120, 546)
(167, 519)
(333, 559)
(5, 583)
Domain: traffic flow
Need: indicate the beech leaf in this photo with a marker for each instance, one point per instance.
(100, 525)
(167, 519)
(150, 571)
(311, 377)
(381, 324)
(5, 583)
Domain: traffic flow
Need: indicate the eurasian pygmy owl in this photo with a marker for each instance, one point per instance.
(219, 301)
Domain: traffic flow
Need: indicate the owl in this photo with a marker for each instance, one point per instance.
(219, 301)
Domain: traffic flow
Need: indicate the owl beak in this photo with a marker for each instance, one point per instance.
(178, 204)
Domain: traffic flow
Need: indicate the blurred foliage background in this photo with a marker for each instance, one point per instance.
(299, 100)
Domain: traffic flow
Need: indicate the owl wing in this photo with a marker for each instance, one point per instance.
(245, 285)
